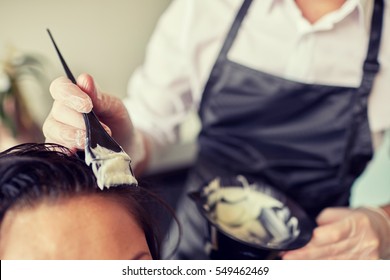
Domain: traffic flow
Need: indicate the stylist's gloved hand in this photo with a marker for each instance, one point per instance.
(65, 124)
(343, 233)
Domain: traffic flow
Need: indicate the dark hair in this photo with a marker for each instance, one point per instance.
(31, 173)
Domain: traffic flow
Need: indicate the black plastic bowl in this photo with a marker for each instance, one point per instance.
(227, 246)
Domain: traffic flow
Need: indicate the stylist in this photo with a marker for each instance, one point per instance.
(293, 93)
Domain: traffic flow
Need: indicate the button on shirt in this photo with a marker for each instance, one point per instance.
(274, 38)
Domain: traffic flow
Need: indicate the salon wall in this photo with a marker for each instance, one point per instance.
(106, 38)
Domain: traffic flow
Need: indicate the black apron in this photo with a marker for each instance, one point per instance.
(309, 141)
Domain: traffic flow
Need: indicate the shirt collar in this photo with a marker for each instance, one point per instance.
(351, 6)
(270, 3)
(365, 11)
(361, 7)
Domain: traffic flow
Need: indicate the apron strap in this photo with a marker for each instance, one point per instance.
(370, 69)
(371, 64)
(234, 29)
(225, 49)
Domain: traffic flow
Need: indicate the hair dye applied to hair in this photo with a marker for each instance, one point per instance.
(110, 168)
(41, 180)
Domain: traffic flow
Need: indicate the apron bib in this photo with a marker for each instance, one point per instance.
(309, 141)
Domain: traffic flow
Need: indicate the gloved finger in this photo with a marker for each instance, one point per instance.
(331, 233)
(64, 91)
(351, 248)
(63, 134)
(66, 115)
(69, 136)
(87, 84)
(330, 215)
(104, 105)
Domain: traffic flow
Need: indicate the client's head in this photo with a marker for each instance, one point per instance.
(51, 208)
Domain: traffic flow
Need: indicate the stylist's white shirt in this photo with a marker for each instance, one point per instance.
(273, 38)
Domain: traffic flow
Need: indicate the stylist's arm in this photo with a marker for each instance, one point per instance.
(343, 233)
(65, 124)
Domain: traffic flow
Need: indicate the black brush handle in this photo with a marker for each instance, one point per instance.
(92, 123)
(72, 78)
(66, 68)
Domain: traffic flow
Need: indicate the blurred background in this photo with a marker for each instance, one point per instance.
(106, 39)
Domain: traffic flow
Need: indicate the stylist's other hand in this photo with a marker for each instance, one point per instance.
(344, 233)
(65, 125)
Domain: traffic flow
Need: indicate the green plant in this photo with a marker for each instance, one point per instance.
(14, 113)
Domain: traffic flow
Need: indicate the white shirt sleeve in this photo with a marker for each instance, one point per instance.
(179, 58)
(159, 96)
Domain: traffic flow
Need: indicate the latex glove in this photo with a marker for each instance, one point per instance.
(65, 124)
(344, 233)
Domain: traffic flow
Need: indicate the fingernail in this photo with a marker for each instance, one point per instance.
(106, 128)
(80, 138)
(99, 95)
(82, 105)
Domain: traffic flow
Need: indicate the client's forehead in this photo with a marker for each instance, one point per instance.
(86, 227)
